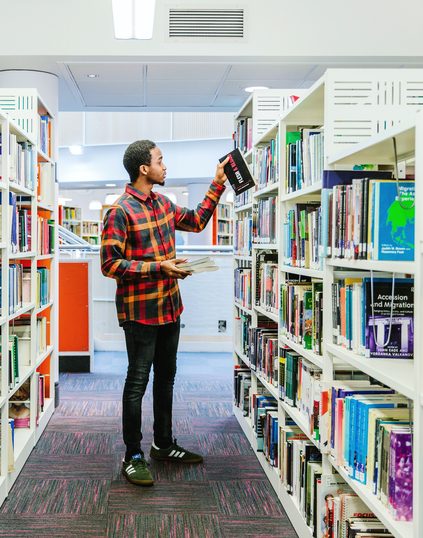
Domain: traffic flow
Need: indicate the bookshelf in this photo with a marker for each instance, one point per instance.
(91, 231)
(354, 133)
(222, 224)
(87, 229)
(28, 320)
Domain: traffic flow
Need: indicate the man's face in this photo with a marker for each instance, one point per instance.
(157, 169)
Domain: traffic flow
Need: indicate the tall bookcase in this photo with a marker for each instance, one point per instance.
(28, 320)
(360, 111)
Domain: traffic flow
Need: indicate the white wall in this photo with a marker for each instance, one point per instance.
(184, 160)
(97, 128)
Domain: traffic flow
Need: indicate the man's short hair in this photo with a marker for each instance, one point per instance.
(136, 154)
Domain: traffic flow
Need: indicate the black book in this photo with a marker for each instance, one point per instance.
(237, 172)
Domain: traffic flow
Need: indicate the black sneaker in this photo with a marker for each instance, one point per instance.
(175, 453)
(136, 471)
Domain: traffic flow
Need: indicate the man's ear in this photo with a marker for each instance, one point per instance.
(143, 169)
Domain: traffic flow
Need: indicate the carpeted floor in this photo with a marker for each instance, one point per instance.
(72, 485)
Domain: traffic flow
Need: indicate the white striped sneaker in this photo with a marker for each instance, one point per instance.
(175, 453)
(136, 471)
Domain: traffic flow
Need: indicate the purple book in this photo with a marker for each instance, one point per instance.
(401, 475)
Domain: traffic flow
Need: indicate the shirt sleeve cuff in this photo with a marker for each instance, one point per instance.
(217, 187)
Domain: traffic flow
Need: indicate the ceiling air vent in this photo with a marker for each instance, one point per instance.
(206, 23)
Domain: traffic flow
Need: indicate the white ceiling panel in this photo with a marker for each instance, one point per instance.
(177, 101)
(191, 71)
(181, 86)
(116, 84)
(233, 101)
(269, 71)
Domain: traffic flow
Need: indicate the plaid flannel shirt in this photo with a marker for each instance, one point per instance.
(138, 234)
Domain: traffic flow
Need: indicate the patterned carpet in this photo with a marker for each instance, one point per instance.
(72, 485)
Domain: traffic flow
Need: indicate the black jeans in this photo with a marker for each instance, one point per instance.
(147, 345)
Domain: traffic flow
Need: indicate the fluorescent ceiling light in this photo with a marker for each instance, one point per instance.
(95, 204)
(76, 150)
(133, 19)
(185, 192)
(110, 184)
(92, 75)
(251, 89)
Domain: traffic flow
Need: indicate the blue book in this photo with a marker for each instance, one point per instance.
(330, 179)
(394, 220)
(362, 425)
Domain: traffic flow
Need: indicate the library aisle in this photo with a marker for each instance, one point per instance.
(72, 483)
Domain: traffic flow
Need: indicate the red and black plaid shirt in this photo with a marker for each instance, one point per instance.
(139, 233)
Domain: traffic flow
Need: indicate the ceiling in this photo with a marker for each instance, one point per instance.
(176, 85)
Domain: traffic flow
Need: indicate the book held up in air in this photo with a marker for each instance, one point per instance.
(237, 172)
(200, 265)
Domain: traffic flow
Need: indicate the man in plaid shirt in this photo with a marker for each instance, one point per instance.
(138, 251)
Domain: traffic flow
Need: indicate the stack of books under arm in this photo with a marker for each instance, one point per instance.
(199, 266)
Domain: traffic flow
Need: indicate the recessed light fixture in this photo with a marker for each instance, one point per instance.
(92, 75)
(76, 149)
(250, 89)
(133, 19)
(110, 184)
(185, 192)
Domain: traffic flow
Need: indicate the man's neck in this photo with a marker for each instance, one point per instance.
(142, 185)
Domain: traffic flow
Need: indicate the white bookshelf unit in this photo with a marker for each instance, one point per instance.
(28, 320)
(223, 225)
(360, 111)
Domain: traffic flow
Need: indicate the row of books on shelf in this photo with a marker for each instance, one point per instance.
(224, 227)
(244, 198)
(374, 317)
(19, 349)
(243, 135)
(224, 211)
(363, 214)
(45, 141)
(268, 287)
(266, 164)
(301, 313)
(20, 219)
(304, 158)
(366, 428)
(370, 218)
(224, 241)
(243, 239)
(20, 286)
(242, 286)
(381, 230)
(21, 162)
(20, 410)
(69, 213)
(264, 220)
(91, 228)
(302, 234)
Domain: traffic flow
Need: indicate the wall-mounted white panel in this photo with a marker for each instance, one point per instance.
(125, 127)
(184, 160)
(192, 125)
